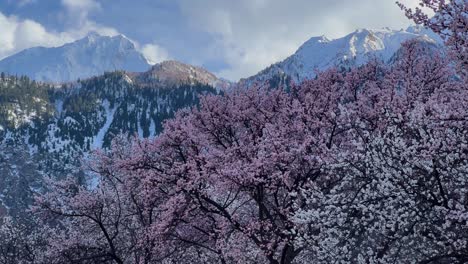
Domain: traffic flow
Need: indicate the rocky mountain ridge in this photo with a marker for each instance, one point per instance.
(320, 53)
(90, 56)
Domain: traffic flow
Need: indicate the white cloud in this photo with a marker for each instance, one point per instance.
(18, 34)
(78, 10)
(80, 4)
(252, 34)
(154, 53)
(244, 35)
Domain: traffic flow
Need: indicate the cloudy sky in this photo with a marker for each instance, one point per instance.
(232, 38)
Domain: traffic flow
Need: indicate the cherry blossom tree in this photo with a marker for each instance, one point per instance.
(405, 173)
(346, 167)
(114, 222)
(21, 242)
(450, 22)
(368, 165)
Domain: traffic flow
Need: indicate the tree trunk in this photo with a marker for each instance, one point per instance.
(288, 255)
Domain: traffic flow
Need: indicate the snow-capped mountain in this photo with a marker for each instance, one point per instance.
(87, 57)
(320, 53)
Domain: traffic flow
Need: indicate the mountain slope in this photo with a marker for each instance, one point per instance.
(176, 73)
(320, 53)
(87, 57)
(47, 130)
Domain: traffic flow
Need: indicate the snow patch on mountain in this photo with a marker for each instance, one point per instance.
(99, 139)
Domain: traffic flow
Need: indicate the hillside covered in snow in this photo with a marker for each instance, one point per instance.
(47, 130)
(84, 58)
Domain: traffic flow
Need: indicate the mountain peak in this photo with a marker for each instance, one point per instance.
(175, 72)
(423, 31)
(356, 48)
(363, 31)
(92, 35)
(321, 39)
(90, 56)
(94, 38)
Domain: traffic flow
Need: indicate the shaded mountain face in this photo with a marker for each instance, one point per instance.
(47, 130)
(84, 58)
(86, 115)
(321, 53)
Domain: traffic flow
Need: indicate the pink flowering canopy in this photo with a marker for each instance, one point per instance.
(450, 22)
(368, 165)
